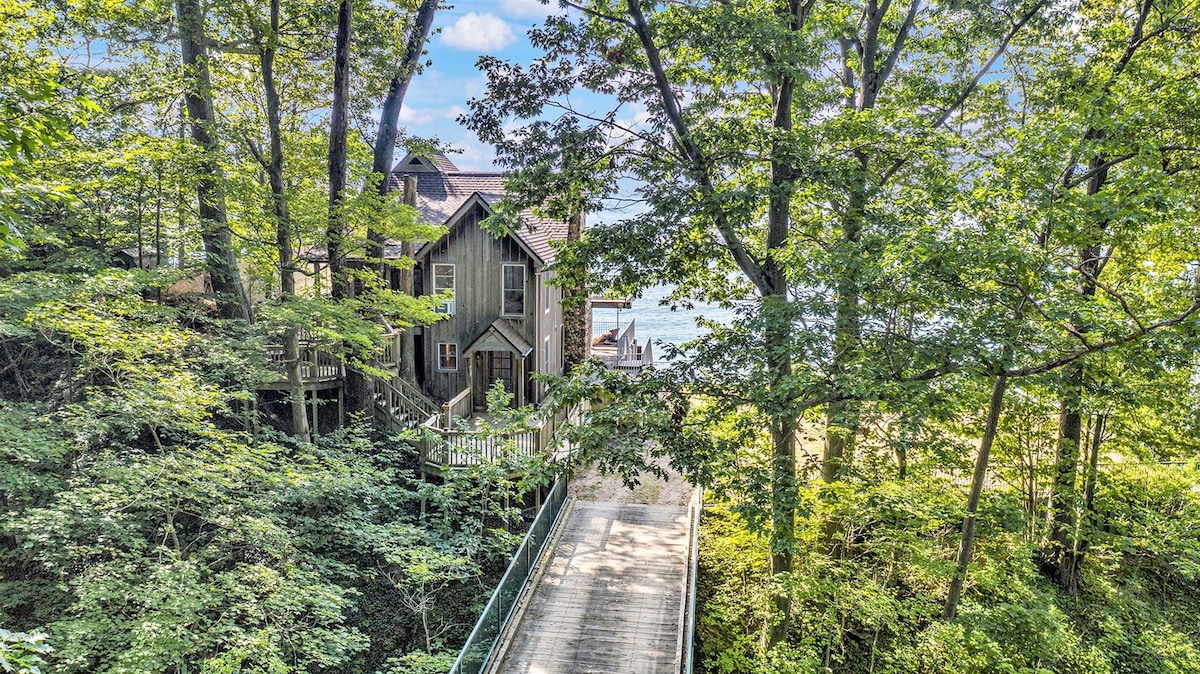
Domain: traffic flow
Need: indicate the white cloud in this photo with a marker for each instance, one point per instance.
(628, 124)
(529, 9)
(479, 32)
(419, 116)
(473, 155)
(439, 88)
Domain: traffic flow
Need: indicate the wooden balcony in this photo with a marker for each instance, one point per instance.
(320, 366)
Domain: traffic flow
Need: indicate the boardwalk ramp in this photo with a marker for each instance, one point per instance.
(612, 596)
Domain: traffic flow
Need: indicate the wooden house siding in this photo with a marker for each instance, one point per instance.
(478, 258)
(549, 324)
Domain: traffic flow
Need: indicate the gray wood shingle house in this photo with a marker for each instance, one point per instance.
(505, 322)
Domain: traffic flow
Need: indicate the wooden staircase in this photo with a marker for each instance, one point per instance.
(401, 406)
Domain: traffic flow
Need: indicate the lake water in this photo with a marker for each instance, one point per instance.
(657, 323)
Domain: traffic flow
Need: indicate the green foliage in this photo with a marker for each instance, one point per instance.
(419, 662)
(876, 606)
(146, 529)
(21, 653)
(39, 104)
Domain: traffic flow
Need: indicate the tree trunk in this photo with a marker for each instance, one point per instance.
(902, 446)
(339, 127)
(381, 164)
(777, 315)
(283, 226)
(575, 309)
(967, 542)
(408, 345)
(358, 395)
(220, 260)
(1066, 468)
(769, 278)
(1066, 501)
(1089, 487)
(389, 115)
(1087, 516)
(842, 416)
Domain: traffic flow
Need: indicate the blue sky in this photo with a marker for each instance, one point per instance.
(439, 94)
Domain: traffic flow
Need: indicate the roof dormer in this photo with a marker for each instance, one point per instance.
(433, 163)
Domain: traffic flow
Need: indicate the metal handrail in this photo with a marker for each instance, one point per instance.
(496, 613)
(689, 625)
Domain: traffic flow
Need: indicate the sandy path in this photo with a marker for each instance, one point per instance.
(590, 485)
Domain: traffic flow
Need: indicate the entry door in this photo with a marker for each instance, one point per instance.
(502, 369)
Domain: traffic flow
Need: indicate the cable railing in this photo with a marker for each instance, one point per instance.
(477, 653)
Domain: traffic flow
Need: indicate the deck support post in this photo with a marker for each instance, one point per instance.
(316, 431)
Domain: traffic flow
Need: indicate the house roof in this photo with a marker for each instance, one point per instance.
(442, 190)
(436, 162)
(500, 336)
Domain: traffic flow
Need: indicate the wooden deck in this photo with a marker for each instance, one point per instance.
(320, 365)
(619, 349)
(613, 597)
(452, 447)
(452, 437)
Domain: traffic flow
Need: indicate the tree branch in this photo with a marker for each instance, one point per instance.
(1100, 346)
(949, 110)
(599, 15)
(699, 163)
(898, 45)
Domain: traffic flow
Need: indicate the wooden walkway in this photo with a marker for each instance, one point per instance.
(611, 599)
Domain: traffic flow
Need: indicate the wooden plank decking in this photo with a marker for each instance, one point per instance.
(611, 599)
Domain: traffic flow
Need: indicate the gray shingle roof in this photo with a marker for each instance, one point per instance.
(434, 163)
(441, 193)
(507, 334)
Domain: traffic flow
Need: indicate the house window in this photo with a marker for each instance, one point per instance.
(546, 354)
(546, 291)
(443, 280)
(514, 290)
(447, 357)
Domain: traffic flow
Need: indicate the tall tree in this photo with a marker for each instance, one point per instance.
(339, 129)
(1134, 50)
(745, 157)
(220, 257)
(269, 41)
(382, 159)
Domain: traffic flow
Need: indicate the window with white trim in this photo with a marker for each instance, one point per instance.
(546, 354)
(443, 280)
(513, 294)
(447, 357)
(546, 291)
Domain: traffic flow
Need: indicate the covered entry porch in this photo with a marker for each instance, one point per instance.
(499, 354)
